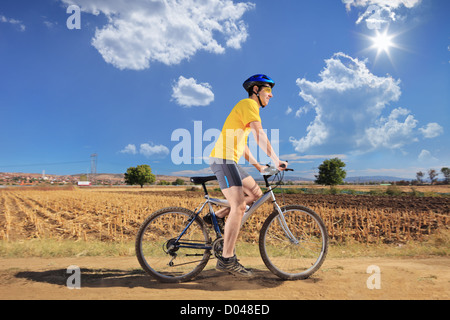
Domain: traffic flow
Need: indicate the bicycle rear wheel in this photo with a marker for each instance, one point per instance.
(166, 259)
(295, 247)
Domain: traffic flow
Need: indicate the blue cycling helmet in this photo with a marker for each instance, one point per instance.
(257, 80)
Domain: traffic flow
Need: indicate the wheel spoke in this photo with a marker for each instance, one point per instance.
(293, 259)
(156, 244)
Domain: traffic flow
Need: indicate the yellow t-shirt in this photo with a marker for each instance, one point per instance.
(232, 140)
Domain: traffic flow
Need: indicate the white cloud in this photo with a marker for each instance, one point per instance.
(302, 110)
(350, 103)
(380, 13)
(18, 23)
(425, 156)
(296, 158)
(146, 149)
(167, 31)
(432, 130)
(205, 171)
(391, 133)
(151, 150)
(50, 24)
(131, 149)
(288, 110)
(348, 100)
(188, 93)
(388, 3)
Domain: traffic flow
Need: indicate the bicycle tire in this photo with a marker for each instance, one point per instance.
(285, 258)
(153, 247)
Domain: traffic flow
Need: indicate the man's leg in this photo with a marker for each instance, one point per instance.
(251, 189)
(252, 193)
(236, 198)
(222, 213)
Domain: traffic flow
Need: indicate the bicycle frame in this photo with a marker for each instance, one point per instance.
(224, 203)
(258, 203)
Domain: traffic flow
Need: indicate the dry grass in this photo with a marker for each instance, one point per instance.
(115, 214)
(382, 188)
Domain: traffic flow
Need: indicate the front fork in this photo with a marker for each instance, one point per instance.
(283, 224)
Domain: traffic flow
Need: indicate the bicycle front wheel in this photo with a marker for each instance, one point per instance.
(293, 245)
(162, 256)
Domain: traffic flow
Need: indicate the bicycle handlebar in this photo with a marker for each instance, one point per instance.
(271, 170)
(287, 169)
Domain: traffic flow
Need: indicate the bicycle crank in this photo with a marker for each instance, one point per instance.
(217, 247)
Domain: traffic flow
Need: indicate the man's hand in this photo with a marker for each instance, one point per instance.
(282, 165)
(259, 167)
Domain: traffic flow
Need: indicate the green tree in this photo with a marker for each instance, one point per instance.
(178, 182)
(446, 172)
(419, 176)
(142, 174)
(432, 174)
(331, 172)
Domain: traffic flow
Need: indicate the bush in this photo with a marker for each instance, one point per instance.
(394, 191)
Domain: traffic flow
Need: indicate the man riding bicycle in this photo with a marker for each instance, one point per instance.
(238, 187)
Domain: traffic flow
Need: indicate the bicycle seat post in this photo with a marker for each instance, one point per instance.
(206, 190)
(266, 180)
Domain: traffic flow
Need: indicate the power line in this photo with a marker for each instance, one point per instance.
(43, 164)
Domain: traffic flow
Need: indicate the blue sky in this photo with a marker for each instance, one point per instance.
(137, 77)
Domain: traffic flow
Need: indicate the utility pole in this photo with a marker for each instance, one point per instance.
(93, 167)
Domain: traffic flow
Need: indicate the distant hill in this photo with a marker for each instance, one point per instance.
(102, 176)
(361, 179)
(377, 179)
(119, 178)
(106, 177)
(287, 177)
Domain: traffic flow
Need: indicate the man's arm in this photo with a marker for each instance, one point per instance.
(251, 159)
(264, 144)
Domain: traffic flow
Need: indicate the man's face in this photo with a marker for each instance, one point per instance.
(265, 95)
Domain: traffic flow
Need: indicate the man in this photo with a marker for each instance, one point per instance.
(238, 187)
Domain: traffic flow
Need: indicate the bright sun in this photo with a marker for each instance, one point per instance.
(382, 42)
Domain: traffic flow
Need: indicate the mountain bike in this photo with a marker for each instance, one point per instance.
(174, 244)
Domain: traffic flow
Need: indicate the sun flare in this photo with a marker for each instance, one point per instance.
(382, 42)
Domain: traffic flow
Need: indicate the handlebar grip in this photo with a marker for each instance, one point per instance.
(284, 167)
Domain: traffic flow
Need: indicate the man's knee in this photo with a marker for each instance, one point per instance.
(256, 192)
(251, 188)
(239, 207)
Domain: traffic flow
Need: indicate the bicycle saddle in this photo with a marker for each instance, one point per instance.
(202, 180)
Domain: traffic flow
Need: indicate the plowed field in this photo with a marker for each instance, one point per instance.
(115, 215)
(110, 215)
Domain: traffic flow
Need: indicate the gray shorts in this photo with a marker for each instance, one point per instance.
(228, 173)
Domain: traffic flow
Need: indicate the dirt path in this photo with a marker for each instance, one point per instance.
(122, 278)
